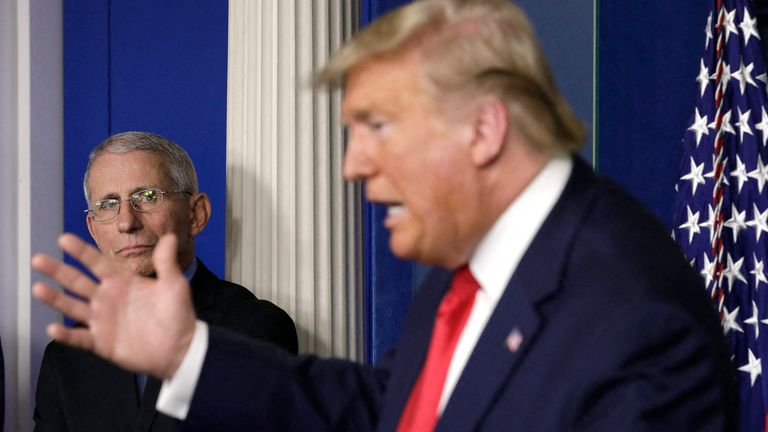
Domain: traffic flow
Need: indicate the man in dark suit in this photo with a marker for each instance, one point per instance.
(140, 186)
(560, 304)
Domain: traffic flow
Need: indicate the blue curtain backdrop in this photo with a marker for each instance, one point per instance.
(648, 61)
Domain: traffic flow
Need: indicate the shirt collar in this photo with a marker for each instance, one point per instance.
(499, 252)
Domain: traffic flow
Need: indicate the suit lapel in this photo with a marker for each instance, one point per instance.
(147, 412)
(120, 387)
(412, 347)
(203, 285)
(203, 297)
(516, 321)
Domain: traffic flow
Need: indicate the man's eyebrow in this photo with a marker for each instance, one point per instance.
(141, 188)
(115, 195)
(109, 195)
(362, 115)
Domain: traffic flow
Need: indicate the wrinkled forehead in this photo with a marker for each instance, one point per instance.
(389, 82)
(125, 173)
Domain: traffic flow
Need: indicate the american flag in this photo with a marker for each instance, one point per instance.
(721, 217)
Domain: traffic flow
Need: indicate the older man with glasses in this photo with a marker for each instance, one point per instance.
(140, 186)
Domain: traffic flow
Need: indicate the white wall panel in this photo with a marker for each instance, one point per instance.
(30, 184)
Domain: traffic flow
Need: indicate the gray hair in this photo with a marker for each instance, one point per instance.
(178, 165)
(471, 48)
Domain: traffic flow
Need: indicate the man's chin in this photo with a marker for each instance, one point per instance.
(140, 267)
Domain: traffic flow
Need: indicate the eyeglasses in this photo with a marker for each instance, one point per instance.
(143, 201)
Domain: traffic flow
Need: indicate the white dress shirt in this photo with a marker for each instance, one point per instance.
(492, 265)
(497, 255)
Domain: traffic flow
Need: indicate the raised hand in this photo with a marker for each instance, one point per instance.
(139, 323)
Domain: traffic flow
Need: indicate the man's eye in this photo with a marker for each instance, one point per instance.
(378, 126)
(147, 196)
(107, 204)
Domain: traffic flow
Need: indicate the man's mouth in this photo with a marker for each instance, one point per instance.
(395, 210)
(132, 250)
(394, 213)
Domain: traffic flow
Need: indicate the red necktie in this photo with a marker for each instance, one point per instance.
(420, 412)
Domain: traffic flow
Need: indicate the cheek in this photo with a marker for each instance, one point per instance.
(103, 237)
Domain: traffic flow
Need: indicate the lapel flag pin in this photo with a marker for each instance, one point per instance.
(514, 340)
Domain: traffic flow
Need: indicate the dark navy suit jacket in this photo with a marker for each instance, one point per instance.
(80, 392)
(617, 335)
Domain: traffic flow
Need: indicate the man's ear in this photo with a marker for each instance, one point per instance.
(490, 130)
(200, 205)
(89, 223)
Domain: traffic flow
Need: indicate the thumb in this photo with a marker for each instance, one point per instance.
(164, 258)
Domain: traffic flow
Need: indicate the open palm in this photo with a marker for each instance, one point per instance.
(139, 323)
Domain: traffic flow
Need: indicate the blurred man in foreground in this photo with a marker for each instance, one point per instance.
(560, 304)
(140, 186)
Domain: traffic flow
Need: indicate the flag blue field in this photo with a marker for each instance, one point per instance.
(721, 219)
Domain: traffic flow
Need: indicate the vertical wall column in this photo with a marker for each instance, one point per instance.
(293, 225)
(30, 184)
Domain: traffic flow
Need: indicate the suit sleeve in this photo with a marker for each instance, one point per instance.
(250, 384)
(657, 379)
(48, 415)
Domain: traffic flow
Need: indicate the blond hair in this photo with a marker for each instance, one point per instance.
(472, 48)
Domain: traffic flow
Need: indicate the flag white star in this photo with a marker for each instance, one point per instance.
(744, 75)
(743, 124)
(758, 271)
(729, 321)
(764, 79)
(760, 174)
(733, 271)
(703, 78)
(754, 320)
(709, 223)
(712, 174)
(740, 172)
(759, 221)
(748, 27)
(730, 24)
(725, 124)
(695, 175)
(692, 225)
(753, 367)
(699, 127)
(708, 31)
(707, 270)
(737, 222)
(725, 75)
(763, 125)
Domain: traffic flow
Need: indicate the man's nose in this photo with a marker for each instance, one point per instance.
(358, 164)
(128, 219)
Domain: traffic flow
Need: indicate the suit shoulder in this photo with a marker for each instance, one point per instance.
(235, 308)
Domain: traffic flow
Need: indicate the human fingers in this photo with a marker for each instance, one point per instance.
(68, 276)
(86, 254)
(77, 337)
(164, 258)
(72, 307)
